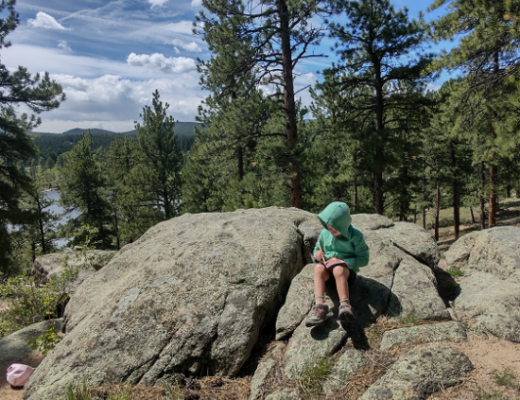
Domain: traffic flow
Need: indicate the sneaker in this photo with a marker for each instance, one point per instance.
(319, 314)
(346, 313)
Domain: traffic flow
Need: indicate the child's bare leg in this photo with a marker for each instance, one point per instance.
(321, 275)
(341, 275)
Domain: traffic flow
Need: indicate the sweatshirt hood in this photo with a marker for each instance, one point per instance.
(337, 215)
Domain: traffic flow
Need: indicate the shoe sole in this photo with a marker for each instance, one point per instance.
(347, 318)
(311, 324)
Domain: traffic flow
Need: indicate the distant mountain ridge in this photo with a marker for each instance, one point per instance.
(181, 129)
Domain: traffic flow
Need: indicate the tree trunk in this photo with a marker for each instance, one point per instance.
(482, 209)
(378, 160)
(240, 156)
(437, 210)
(40, 224)
(472, 215)
(355, 194)
(493, 170)
(167, 211)
(404, 204)
(508, 190)
(455, 185)
(291, 128)
(117, 231)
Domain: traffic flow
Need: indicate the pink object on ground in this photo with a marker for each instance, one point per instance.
(17, 374)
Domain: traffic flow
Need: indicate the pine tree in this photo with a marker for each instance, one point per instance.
(84, 190)
(159, 172)
(268, 42)
(384, 94)
(38, 93)
(488, 54)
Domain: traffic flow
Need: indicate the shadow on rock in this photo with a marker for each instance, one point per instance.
(370, 299)
(322, 331)
(448, 288)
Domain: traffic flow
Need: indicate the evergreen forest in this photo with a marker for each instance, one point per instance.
(376, 134)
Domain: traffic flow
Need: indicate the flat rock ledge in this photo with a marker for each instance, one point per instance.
(421, 372)
(445, 331)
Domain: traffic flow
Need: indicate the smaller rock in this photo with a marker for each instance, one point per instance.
(52, 265)
(14, 348)
(415, 287)
(421, 372)
(444, 331)
(344, 368)
(266, 365)
(286, 394)
(371, 222)
(307, 345)
(297, 303)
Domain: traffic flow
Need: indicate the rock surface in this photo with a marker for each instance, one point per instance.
(344, 368)
(51, 265)
(444, 331)
(264, 369)
(490, 288)
(420, 372)
(192, 293)
(15, 347)
(308, 345)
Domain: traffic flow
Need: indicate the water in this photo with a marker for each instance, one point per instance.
(58, 210)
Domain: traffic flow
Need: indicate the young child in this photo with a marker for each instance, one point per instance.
(341, 250)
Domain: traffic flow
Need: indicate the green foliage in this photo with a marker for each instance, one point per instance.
(408, 319)
(38, 93)
(45, 342)
(310, 380)
(160, 162)
(506, 378)
(84, 190)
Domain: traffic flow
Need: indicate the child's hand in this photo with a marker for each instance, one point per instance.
(319, 255)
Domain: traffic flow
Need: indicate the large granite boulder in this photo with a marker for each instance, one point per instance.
(421, 372)
(191, 295)
(51, 265)
(490, 288)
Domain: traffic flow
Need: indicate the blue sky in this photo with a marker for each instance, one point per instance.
(110, 56)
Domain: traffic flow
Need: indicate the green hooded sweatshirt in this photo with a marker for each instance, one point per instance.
(350, 246)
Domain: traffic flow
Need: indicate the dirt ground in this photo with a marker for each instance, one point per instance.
(489, 357)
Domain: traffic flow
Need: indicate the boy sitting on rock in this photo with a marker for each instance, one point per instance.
(341, 250)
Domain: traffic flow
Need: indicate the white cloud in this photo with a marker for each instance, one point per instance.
(158, 3)
(433, 88)
(193, 47)
(196, 3)
(46, 21)
(185, 27)
(306, 79)
(62, 44)
(159, 62)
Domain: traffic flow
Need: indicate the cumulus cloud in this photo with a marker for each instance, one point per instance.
(46, 21)
(62, 44)
(181, 27)
(306, 79)
(159, 62)
(158, 3)
(115, 102)
(193, 47)
(196, 3)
